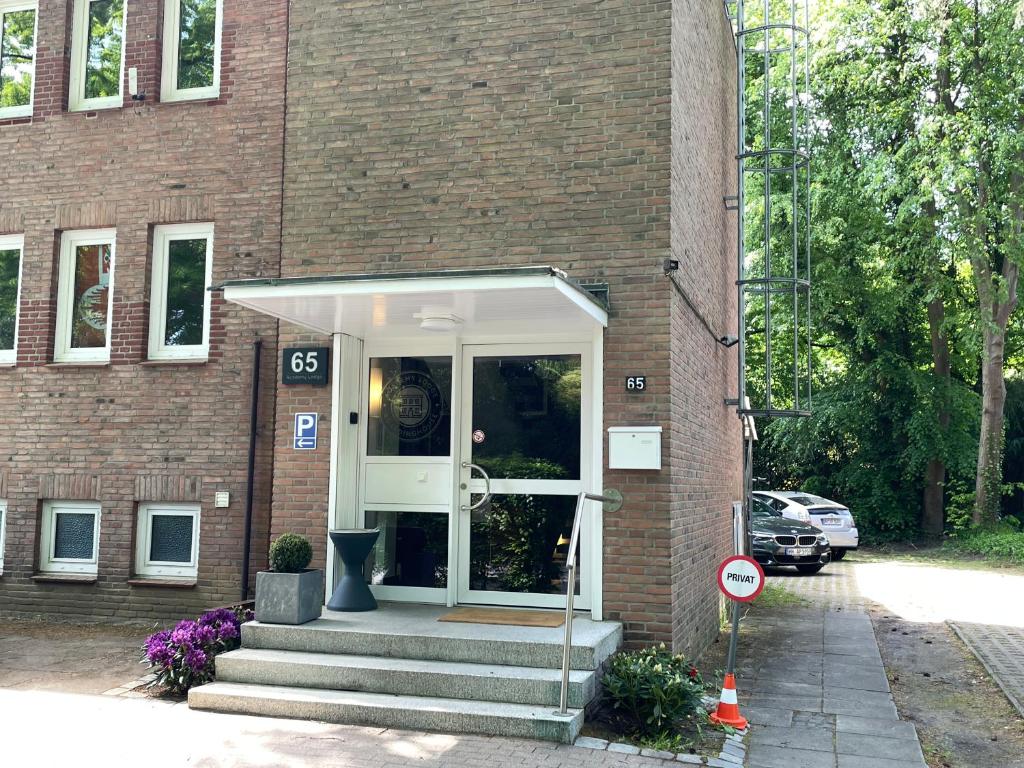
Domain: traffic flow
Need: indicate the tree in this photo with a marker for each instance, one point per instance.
(17, 50)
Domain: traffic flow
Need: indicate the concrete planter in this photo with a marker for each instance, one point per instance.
(289, 598)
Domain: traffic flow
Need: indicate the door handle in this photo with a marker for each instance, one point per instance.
(487, 483)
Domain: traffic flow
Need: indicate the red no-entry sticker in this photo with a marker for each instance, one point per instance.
(740, 578)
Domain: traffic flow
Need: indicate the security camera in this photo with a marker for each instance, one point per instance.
(729, 341)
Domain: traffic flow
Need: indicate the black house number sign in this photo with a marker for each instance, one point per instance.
(305, 365)
(636, 383)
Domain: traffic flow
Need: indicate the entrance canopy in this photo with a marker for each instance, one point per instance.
(521, 300)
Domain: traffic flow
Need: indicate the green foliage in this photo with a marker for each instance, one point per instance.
(17, 53)
(514, 540)
(290, 553)
(654, 689)
(103, 49)
(9, 263)
(1004, 541)
(196, 43)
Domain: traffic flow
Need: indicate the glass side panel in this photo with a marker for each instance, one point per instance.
(73, 535)
(103, 48)
(186, 292)
(526, 416)
(196, 39)
(17, 57)
(9, 263)
(171, 538)
(89, 310)
(411, 551)
(518, 543)
(410, 406)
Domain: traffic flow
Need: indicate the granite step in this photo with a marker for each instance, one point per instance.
(390, 711)
(409, 677)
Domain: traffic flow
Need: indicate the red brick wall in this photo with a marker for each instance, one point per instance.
(129, 432)
(451, 134)
(705, 442)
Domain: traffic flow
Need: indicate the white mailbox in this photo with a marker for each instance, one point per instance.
(634, 447)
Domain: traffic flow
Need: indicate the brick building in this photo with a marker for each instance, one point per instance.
(124, 405)
(471, 206)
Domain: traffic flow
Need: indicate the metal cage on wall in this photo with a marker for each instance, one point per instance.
(773, 44)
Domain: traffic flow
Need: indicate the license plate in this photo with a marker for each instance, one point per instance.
(831, 521)
(799, 551)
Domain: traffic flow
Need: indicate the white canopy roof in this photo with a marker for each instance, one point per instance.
(519, 301)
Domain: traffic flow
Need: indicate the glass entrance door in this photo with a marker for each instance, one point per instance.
(525, 422)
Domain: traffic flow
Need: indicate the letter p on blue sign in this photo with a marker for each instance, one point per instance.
(305, 431)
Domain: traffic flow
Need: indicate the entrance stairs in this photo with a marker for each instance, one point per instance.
(399, 667)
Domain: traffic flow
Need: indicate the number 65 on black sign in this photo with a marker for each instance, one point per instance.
(305, 365)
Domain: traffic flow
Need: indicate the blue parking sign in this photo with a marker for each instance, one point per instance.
(305, 431)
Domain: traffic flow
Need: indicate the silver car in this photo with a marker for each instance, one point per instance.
(829, 516)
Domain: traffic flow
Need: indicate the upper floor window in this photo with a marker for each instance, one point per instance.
(97, 54)
(84, 296)
(191, 65)
(179, 326)
(11, 247)
(17, 57)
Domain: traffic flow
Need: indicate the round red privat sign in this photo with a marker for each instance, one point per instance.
(740, 578)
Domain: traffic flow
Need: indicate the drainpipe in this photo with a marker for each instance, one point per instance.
(254, 403)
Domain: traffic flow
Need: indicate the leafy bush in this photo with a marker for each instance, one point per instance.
(653, 688)
(183, 657)
(1004, 541)
(291, 553)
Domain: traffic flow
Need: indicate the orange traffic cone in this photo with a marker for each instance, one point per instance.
(728, 712)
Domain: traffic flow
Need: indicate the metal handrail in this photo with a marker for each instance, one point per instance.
(570, 562)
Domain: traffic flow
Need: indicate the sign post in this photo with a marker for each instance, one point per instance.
(741, 579)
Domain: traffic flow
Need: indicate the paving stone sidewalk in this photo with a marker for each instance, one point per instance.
(814, 689)
(1001, 651)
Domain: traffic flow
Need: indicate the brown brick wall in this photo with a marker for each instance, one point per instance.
(448, 134)
(127, 432)
(706, 438)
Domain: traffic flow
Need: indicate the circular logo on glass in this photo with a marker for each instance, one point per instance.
(413, 401)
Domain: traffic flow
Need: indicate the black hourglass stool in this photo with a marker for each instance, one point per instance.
(353, 546)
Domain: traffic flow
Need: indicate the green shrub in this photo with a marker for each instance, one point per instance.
(1004, 542)
(291, 553)
(652, 688)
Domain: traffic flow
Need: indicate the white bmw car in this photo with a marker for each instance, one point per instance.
(831, 517)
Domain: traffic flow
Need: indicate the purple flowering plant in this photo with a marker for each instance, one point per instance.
(183, 657)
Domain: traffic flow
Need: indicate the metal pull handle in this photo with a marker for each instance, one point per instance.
(487, 482)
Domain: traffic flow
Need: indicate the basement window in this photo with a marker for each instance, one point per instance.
(85, 296)
(11, 248)
(69, 541)
(167, 541)
(179, 327)
(97, 54)
(191, 58)
(17, 57)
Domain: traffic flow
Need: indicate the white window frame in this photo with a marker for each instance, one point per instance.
(163, 236)
(8, 6)
(10, 356)
(169, 90)
(143, 540)
(69, 242)
(79, 50)
(3, 532)
(48, 527)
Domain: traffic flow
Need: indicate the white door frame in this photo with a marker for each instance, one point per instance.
(568, 488)
(350, 371)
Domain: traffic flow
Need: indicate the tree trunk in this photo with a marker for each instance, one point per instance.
(990, 448)
(933, 520)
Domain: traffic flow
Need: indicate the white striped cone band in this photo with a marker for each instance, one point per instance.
(728, 696)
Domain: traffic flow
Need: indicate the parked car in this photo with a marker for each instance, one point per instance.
(830, 516)
(777, 540)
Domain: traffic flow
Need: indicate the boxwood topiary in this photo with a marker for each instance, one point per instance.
(291, 553)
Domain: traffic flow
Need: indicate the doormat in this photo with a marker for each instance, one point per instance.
(505, 616)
